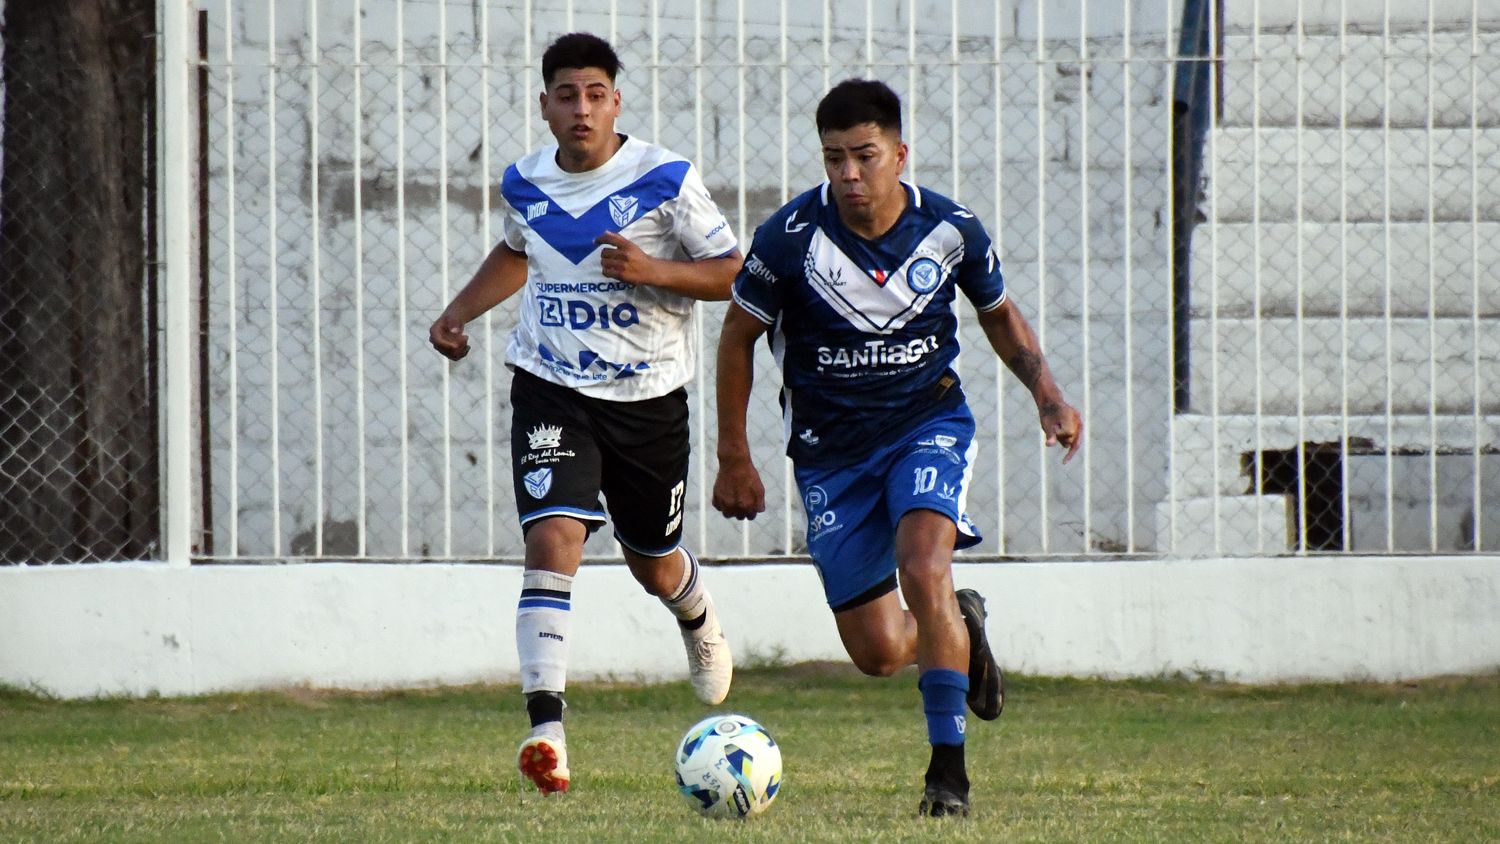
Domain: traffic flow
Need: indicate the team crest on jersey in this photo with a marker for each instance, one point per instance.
(538, 482)
(622, 209)
(923, 276)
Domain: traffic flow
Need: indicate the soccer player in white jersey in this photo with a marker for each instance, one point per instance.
(611, 239)
(856, 280)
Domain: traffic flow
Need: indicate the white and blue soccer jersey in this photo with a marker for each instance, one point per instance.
(865, 330)
(606, 338)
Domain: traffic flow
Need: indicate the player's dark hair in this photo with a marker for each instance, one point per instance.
(856, 101)
(579, 49)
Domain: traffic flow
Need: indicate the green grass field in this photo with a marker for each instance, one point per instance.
(1069, 761)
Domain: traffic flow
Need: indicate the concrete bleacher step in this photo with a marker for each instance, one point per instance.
(1350, 177)
(1368, 366)
(1448, 269)
(1404, 174)
(1201, 441)
(1364, 15)
(1218, 525)
(1385, 78)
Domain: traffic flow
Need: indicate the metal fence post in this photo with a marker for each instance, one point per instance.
(177, 160)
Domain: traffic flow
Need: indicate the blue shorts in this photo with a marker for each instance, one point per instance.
(852, 511)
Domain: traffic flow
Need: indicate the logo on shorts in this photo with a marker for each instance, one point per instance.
(923, 276)
(545, 442)
(808, 437)
(817, 499)
(819, 520)
(948, 492)
(538, 482)
(622, 209)
(942, 445)
(544, 436)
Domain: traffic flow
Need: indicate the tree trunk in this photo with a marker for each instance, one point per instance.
(78, 449)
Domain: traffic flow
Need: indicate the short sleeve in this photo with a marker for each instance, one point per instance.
(978, 274)
(698, 223)
(760, 286)
(513, 229)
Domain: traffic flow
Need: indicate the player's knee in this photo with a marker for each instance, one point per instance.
(877, 665)
(927, 577)
(554, 539)
(657, 575)
(879, 657)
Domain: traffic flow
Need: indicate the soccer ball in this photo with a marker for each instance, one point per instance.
(728, 766)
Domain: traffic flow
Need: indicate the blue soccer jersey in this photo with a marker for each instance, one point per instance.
(865, 330)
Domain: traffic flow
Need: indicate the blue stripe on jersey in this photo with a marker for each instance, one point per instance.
(527, 603)
(573, 237)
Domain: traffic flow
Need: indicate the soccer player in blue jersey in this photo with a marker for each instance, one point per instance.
(611, 240)
(856, 280)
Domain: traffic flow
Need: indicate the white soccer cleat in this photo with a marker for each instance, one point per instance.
(710, 665)
(543, 759)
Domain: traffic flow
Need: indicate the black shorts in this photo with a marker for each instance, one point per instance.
(566, 448)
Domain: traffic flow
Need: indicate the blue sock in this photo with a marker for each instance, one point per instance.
(943, 694)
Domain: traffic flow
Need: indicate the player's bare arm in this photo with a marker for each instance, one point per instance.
(708, 280)
(497, 279)
(738, 491)
(1012, 338)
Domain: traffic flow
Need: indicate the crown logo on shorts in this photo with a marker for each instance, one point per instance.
(544, 436)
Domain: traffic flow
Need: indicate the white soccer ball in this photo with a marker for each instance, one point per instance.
(728, 766)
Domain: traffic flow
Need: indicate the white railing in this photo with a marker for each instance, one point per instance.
(354, 147)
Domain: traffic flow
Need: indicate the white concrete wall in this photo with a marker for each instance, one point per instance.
(138, 629)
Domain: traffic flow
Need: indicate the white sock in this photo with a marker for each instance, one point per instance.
(543, 618)
(689, 600)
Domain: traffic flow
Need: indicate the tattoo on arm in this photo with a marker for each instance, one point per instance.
(1027, 365)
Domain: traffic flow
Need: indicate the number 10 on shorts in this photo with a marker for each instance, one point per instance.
(926, 479)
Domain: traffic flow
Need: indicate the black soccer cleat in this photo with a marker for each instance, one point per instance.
(940, 802)
(986, 681)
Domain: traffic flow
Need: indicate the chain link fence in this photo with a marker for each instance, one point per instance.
(1323, 381)
(78, 408)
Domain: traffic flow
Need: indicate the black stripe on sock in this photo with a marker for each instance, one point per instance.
(692, 562)
(546, 593)
(544, 706)
(693, 623)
